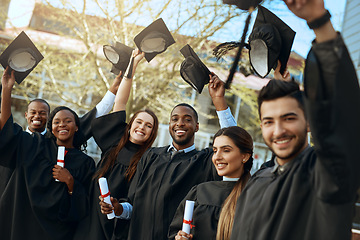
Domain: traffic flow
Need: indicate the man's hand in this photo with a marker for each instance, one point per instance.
(308, 10)
(8, 78)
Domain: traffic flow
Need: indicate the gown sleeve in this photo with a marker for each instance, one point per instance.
(108, 129)
(331, 92)
(76, 206)
(85, 123)
(177, 222)
(12, 138)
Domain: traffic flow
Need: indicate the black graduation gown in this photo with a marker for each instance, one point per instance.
(209, 198)
(34, 205)
(314, 197)
(160, 184)
(107, 131)
(85, 123)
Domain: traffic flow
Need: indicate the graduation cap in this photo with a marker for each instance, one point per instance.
(22, 56)
(243, 4)
(119, 55)
(223, 48)
(193, 70)
(270, 40)
(154, 39)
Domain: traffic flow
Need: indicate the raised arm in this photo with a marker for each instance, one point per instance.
(7, 81)
(332, 94)
(123, 92)
(217, 93)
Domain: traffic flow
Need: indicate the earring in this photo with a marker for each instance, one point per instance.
(244, 160)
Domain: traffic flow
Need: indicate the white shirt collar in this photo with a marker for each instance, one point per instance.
(30, 132)
(186, 150)
(230, 179)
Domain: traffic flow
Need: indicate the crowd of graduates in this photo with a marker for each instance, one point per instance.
(303, 192)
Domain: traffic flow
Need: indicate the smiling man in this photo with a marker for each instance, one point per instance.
(307, 192)
(164, 175)
(37, 115)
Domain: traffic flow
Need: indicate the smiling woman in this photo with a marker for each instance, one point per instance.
(122, 145)
(32, 192)
(215, 201)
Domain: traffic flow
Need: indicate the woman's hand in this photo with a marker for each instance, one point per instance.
(181, 235)
(107, 208)
(137, 55)
(63, 175)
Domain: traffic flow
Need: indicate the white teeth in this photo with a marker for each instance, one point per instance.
(180, 131)
(221, 165)
(283, 141)
(140, 133)
(36, 122)
(63, 131)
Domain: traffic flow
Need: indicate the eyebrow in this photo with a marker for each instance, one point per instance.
(64, 118)
(185, 115)
(224, 146)
(282, 116)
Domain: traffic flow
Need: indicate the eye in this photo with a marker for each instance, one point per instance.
(56, 122)
(215, 150)
(174, 119)
(290, 118)
(267, 122)
(149, 126)
(227, 150)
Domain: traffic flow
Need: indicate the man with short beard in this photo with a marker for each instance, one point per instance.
(307, 192)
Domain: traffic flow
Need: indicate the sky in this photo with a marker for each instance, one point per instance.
(304, 36)
(21, 10)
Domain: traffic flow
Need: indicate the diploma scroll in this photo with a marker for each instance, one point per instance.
(105, 193)
(61, 157)
(188, 216)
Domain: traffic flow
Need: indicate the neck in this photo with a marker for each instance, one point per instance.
(183, 146)
(282, 161)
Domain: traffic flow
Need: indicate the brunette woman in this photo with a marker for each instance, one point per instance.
(215, 201)
(122, 146)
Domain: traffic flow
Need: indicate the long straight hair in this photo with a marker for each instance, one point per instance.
(108, 160)
(244, 142)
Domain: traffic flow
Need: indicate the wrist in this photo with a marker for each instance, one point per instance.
(319, 20)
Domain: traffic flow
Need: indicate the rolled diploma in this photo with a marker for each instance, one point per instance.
(61, 157)
(188, 215)
(104, 190)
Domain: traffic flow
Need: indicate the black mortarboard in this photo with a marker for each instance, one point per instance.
(119, 55)
(243, 4)
(22, 56)
(154, 39)
(270, 40)
(193, 70)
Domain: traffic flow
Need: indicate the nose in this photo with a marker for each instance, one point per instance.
(279, 129)
(62, 123)
(180, 122)
(142, 126)
(217, 155)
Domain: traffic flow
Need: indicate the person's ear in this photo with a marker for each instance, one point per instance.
(246, 157)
